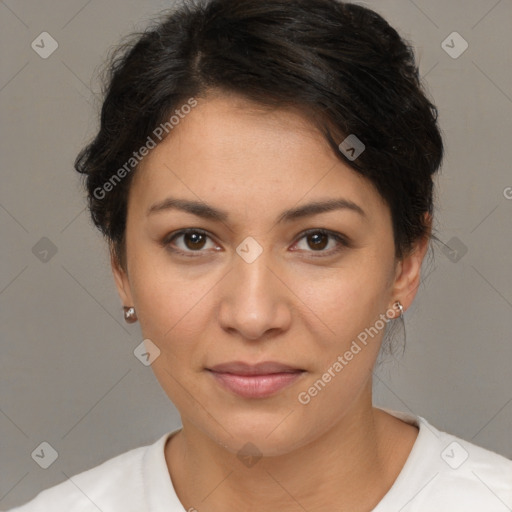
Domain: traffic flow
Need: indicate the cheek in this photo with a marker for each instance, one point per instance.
(172, 302)
(350, 301)
(173, 308)
(345, 300)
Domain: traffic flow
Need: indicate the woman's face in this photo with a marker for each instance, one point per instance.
(254, 280)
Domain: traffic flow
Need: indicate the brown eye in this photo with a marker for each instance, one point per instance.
(190, 241)
(321, 241)
(194, 240)
(318, 241)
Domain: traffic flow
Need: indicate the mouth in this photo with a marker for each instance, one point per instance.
(255, 381)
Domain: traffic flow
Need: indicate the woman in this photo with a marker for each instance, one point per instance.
(264, 176)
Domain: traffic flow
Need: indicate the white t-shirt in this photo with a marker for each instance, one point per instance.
(442, 474)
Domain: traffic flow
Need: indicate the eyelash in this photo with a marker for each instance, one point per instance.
(342, 241)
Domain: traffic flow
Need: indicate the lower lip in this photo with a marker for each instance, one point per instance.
(256, 386)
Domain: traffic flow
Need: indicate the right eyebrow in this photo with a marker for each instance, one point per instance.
(197, 208)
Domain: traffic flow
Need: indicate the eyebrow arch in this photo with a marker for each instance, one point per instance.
(318, 207)
(205, 211)
(197, 208)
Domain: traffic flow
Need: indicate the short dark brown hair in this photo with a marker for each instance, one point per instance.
(341, 64)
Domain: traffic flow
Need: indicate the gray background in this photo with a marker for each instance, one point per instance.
(69, 376)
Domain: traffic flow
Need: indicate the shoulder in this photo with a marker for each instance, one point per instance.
(116, 484)
(468, 476)
(448, 474)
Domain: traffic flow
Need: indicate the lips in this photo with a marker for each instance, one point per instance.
(265, 368)
(255, 381)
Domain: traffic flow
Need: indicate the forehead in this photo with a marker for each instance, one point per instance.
(231, 152)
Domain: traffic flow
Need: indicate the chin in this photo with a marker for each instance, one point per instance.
(266, 435)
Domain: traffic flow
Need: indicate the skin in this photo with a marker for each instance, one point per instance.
(296, 303)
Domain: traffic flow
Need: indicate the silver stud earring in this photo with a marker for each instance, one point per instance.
(129, 314)
(392, 342)
(398, 305)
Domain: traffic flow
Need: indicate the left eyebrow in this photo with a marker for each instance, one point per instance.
(320, 207)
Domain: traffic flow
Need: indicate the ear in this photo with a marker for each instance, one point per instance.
(408, 271)
(121, 280)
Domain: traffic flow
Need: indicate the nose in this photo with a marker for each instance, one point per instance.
(254, 300)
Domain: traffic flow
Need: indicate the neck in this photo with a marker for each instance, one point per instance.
(352, 464)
